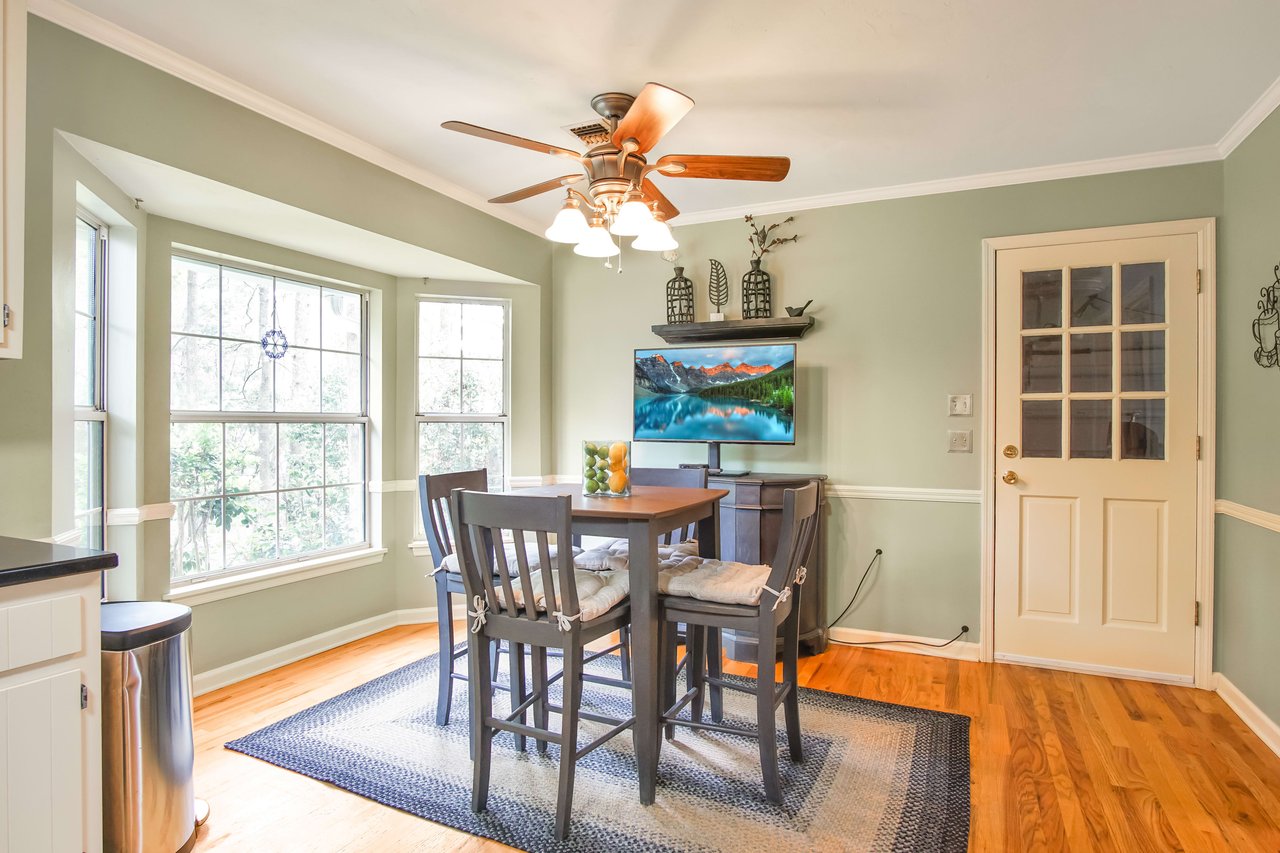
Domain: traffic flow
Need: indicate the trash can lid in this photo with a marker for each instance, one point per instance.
(130, 625)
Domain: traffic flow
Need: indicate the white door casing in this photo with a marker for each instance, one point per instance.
(1095, 555)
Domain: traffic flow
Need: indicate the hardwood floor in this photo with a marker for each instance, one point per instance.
(1060, 761)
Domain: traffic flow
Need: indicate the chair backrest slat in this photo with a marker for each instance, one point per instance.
(433, 500)
(799, 524)
(677, 478)
(519, 515)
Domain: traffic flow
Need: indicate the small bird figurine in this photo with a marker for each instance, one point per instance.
(798, 312)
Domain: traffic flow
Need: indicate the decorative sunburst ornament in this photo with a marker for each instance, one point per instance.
(275, 344)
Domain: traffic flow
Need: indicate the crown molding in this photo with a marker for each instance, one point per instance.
(72, 17)
(104, 32)
(987, 180)
(1248, 123)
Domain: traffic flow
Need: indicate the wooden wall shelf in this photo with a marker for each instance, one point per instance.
(769, 328)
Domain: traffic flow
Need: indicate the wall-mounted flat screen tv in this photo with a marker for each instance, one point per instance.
(730, 394)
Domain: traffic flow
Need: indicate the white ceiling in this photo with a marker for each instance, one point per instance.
(175, 194)
(861, 95)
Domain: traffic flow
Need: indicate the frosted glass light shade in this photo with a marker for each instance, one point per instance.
(570, 226)
(656, 237)
(597, 244)
(633, 217)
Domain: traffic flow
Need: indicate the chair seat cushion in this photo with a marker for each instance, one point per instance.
(713, 580)
(450, 563)
(613, 555)
(598, 592)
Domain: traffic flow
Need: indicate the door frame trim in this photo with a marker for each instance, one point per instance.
(1205, 231)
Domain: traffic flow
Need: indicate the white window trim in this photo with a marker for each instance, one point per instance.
(458, 417)
(227, 583)
(98, 410)
(241, 583)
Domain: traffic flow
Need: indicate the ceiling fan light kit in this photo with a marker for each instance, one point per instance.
(620, 198)
(569, 226)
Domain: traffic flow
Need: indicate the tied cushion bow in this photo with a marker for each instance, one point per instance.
(479, 614)
(565, 623)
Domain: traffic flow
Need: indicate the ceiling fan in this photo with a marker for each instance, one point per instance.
(620, 198)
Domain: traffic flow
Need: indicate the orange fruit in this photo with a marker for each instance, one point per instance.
(617, 452)
(618, 482)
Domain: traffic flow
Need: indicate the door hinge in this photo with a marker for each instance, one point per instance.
(84, 696)
(1199, 283)
(6, 315)
(1197, 614)
(1197, 447)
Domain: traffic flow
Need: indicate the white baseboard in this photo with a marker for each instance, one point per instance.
(959, 650)
(1252, 716)
(1096, 669)
(231, 673)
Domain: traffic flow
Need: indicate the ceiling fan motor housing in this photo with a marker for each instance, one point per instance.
(609, 182)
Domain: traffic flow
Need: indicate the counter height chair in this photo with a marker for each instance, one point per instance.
(762, 599)
(707, 639)
(544, 607)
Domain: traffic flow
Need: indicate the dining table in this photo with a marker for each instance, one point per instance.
(641, 517)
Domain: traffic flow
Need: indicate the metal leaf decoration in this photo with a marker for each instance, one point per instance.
(718, 287)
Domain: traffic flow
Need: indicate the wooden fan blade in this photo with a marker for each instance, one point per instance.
(724, 167)
(652, 193)
(537, 189)
(509, 139)
(655, 111)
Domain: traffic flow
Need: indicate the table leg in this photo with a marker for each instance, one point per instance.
(643, 553)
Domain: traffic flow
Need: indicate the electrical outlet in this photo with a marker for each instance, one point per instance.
(959, 405)
(959, 441)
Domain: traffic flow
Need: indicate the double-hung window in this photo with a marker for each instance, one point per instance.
(463, 386)
(89, 433)
(268, 440)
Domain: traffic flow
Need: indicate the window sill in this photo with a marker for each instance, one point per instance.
(216, 589)
(420, 548)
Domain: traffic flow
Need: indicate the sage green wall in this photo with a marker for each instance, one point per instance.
(1247, 565)
(897, 296)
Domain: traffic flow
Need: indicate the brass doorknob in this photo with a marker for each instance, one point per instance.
(1010, 477)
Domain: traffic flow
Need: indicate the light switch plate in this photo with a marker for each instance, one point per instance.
(959, 441)
(960, 405)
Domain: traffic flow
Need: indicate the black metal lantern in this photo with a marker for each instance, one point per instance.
(680, 298)
(757, 293)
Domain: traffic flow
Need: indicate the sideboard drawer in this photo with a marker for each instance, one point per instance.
(38, 631)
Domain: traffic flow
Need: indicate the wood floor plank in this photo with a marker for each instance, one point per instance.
(1059, 761)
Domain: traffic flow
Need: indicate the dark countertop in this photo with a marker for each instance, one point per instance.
(24, 561)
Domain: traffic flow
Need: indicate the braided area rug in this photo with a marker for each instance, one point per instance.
(875, 776)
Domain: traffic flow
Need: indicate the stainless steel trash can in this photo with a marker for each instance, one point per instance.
(148, 750)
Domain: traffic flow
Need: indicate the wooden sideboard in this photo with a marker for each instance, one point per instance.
(750, 520)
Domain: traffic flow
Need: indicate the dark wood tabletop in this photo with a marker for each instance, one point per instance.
(645, 502)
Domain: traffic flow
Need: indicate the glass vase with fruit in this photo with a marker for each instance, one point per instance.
(606, 469)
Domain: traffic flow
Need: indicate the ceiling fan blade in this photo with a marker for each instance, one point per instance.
(537, 189)
(655, 111)
(651, 193)
(724, 167)
(509, 139)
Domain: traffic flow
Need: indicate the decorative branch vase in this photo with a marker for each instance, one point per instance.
(606, 469)
(680, 298)
(757, 293)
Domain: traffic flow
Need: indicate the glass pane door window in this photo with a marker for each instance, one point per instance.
(88, 393)
(1094, 365)
(268, 444)
(463, 396)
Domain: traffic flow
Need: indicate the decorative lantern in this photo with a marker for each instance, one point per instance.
(680, 298)
(757, 293)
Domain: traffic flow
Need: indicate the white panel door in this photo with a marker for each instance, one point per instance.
(1095, 497)
(40, 757)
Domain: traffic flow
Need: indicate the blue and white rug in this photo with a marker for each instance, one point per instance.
(875, 776)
